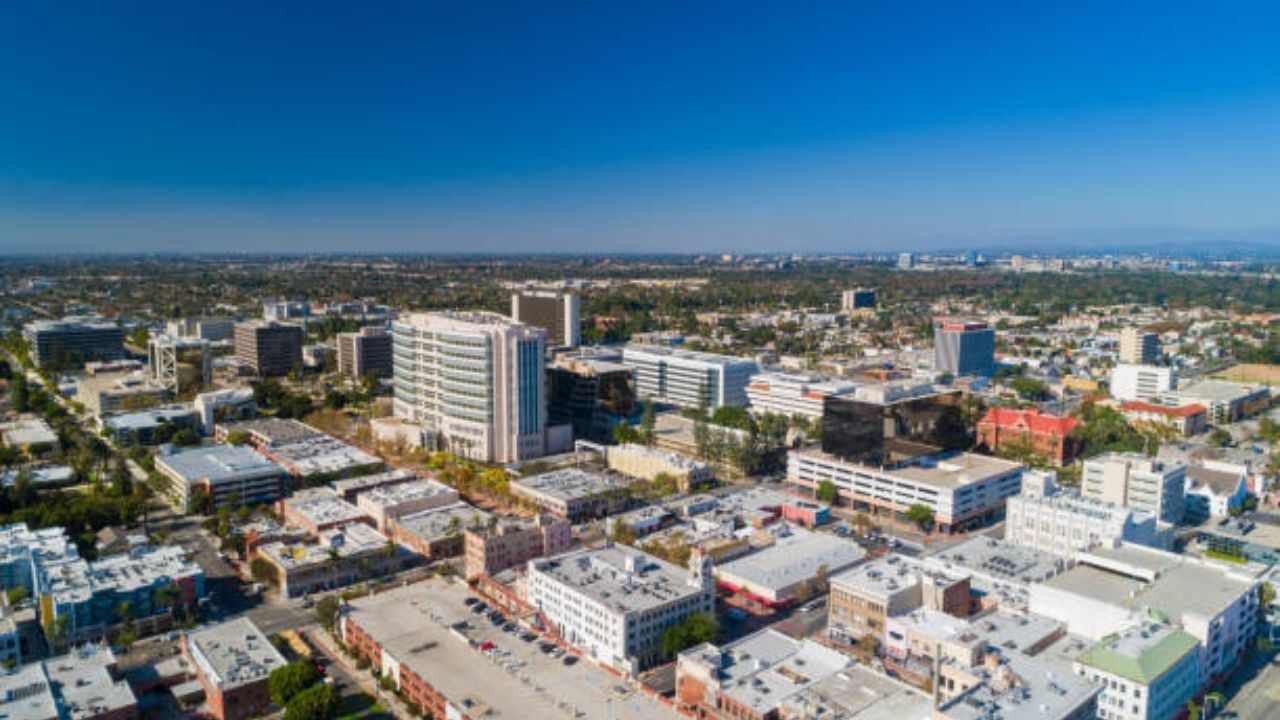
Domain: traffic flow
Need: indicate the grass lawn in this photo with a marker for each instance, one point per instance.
(361, 705)
(1219, 555)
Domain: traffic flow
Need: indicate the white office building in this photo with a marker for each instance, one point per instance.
(1063, 522)
(687, 378)
(791, 394)
(1136, 481)
(1147, 672)
(474, 381)
(615, 602)
(1141, 382)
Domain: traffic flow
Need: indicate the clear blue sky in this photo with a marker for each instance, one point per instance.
(423, 126)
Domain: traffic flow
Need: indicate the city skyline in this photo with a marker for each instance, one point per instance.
(497, 130)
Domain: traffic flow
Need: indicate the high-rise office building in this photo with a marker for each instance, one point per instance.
(367, 352)
(1136, 481)
(858, 299)
(687, 378)
(591, 390)
(964, 348)
(555, 311)
(474, 381)
(906, 261)
(269, 348)
(73, 341)
(1139, 347)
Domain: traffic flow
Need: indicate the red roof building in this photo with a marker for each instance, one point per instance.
(1047, 435)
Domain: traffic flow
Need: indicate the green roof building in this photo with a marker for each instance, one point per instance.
(1147, 671)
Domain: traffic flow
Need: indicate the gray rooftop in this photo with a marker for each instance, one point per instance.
(219, 463)
(794, 557)
(234, 653)
(437, 522)
(569, 484)
(621, 578)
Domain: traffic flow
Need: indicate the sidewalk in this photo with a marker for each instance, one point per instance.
(321, 639)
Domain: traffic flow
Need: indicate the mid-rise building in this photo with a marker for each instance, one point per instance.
(213, 329)
(591, 390)
(614, 603)
(84, 684)
(282, 310)
(233, 662)
(571, 493)
(556, 311)
(864, 598)
(689, 379)
(1135, 481)
(1139, 347)
(906, 261)
(1048, 436)
(318, 509)
(104, 394)
(391, 502)
(962, 490)
(71, 342)
(437, 532)
(1062, 522)
(1142, 382)
(475, 381)
(1146, 672)
(790, 395)
(269, 348)
(1226, 402)
(647, 463)
(367, 352)
(964, 348)
(858, 299)
(508, 544)
(226, 474)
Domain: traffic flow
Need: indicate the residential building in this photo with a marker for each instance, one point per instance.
(213, 329)
(571, 493)
(647, 463)
(269, 348)
(790, 395)
(226, 474)
(1048, 436)
(556, 311)
(858, 299)
(1139, 347)
(508, 544)
(1146, 672)
(964, 348)
(1227, 402)
(863, 599)
(366, 352)
(794, 567)
(318, 509)
(437, 532)
(591, 390)
(72, 341)
(390, 502)
(1063, 522)
(223, 406)
(687, 378)
(962, 490)
(1135, 481)
(1142, 382)
(84, 684)
(614, 603)
(475, 381)
(233, 662)
(22, 549)
(341, 556)
(1215, 489)
(1188, 420)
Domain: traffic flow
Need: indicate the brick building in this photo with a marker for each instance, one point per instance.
(233, 662)
(508, 545)
(1046, 435)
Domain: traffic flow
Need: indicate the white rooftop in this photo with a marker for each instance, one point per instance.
(234, 653)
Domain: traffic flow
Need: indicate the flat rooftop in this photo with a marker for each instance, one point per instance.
(1218, 390)
(277, 431)
(217, 463)
(234, 653)
(857, 693)
(762, 670)
(439, 522)
(602, 575)
(392, 495)
(349, 541)
(793, 558)
(85, 684)
(367, 482)
(1141, 654)
(947, 473)
(322, 506)
(1021, 688)
(569, 484)
(664, 352)
(999, 560)
(879, 578)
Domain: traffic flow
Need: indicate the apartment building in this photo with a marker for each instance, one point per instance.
(964, 348)
(790, 394)
(689, 379)
(1142, 382)
(614, 603)
(556, 311)
(475, 381)
(226, 474)
(1139, 347)
(1062, 522)
(366, 352)
(269, 348)
(1135, 481)
(233, 662)
(508, 544)
(72, 341)
(858, 299)
(84, 684)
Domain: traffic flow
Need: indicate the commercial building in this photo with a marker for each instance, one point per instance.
(614, 603)
(964, 348)
(1000, 573)
(391, 502)
(71, 342)
(1215, 489)
(1111, 590)
(1139, 347)
(341, 556)
(864, 598)
(152, 426)
(883, 424)
(104, 394)
(367, 352)
(1146, 672)
(213, 329)
(1048, 436)
(1062, 522)
(350, 489)
(84, 684)
(906, 261)
(793, 568)
(32, 435)
(223, 406)
(509, 544)
(556, 311)
(283, 310)
(269, 348)
(303, 451)
(687, 378)
(1227, 402)
(1010, 684)
(437, 532)
(318, 509)
(1142, 382)
(226, 474)
(475, 381)
(1188, 420)
(962, 490)
(858, 299)
(233, 662)
(647, 463)
(571, 493)
(591, 390)
(1136, 481)
(790, 395)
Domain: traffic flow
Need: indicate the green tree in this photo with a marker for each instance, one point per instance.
(1219, 438)
(327, 611)
(648, 423)
(319, 702)
(693, 630)
(827, 492)
(287, 681)
(921, 515)
(623, 533)
(624, 433)
(264, 572)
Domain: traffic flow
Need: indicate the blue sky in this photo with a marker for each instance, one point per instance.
(450, 127)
